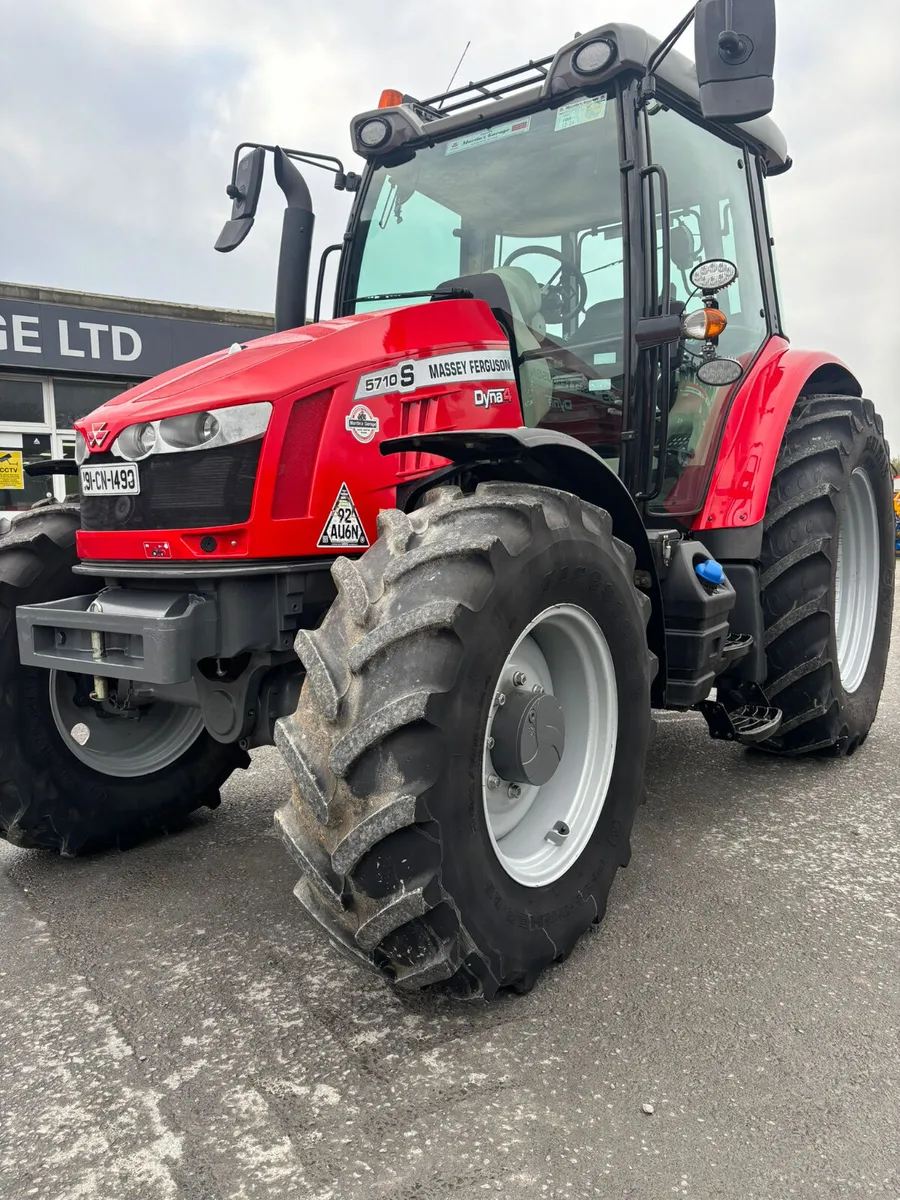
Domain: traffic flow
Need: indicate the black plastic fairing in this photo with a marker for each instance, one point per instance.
(747, 618)
(741, 545)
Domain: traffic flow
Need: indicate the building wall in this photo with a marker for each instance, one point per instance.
(62, 354)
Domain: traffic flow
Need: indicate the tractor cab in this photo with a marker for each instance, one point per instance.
(588, 201)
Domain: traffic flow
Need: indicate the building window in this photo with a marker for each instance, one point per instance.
(36, 416)
(75, 398)
(21, 401)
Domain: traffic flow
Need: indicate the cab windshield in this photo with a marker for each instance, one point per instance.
(541, 196)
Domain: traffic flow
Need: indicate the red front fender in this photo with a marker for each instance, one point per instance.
(739, 488)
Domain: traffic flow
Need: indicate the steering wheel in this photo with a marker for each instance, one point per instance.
(559, 301)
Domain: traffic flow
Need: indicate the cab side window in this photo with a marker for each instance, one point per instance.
(710, 217)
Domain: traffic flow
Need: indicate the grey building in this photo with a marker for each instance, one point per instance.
(64, 353)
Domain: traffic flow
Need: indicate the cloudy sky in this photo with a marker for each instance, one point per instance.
(118, 119)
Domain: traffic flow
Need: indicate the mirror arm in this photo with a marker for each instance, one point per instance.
(343, 179)
(648, 83)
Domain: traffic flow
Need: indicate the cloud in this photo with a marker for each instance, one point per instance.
(118, 121)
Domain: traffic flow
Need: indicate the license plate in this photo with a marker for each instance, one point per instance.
(118, 480)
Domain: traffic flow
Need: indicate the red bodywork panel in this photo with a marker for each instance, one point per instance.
(742, 476)
(309, 452)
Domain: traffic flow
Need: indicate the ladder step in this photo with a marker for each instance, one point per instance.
(748, 724)
(737, 646)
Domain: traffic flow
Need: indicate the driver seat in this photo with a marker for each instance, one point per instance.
(529, 326)
(514, 297)
(605, 321)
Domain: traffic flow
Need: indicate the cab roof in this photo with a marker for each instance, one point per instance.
(509, 92)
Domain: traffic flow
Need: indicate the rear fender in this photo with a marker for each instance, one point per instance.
(551, 459)
(742, 478)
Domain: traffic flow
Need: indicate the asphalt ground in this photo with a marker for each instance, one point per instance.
(174, 1027)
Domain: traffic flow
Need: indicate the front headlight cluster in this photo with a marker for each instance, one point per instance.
(193, 431)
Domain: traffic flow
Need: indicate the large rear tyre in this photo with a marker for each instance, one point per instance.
(828, 575)
(436, 843)
(59, 791)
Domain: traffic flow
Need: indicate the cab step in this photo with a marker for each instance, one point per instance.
(736, 647)
(749, 723)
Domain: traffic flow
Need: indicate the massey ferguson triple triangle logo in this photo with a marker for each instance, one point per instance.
(97, 434)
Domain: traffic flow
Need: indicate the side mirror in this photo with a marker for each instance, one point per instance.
(734, 48)
(244, 192)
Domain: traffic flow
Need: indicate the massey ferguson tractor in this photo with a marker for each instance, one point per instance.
(552, 464)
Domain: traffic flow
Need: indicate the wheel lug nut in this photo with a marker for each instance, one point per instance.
(490, 743)
(514, 791)
(537, 688)
(520, 679)
(500, 699)
(493, 781)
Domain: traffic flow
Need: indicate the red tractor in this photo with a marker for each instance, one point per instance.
(552, 464)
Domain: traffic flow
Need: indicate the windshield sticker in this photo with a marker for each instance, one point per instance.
(578, 112)
(484, 137)
(362, 423)
(343, 529)
(428, 372)
(570, 383)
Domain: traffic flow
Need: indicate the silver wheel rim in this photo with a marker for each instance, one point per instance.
(565, 652)
(119, 746)
(857, 572)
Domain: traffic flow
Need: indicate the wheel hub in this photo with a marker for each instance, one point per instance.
(124, 746)
(550, 745)
(857, 574)
(529, 733)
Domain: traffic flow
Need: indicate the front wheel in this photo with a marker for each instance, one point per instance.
(75, 777)
(469, 748)
(828, 575)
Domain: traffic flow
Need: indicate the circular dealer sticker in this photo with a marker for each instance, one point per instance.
(362, 423)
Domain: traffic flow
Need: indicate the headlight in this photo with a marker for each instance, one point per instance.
(193, 431)
(81, 450)
(136, 442)
(374, 133)
(592, 57)
(190, 431)
(719, 372)
(714, 274)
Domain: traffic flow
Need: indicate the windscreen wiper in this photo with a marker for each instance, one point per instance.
(449, 294)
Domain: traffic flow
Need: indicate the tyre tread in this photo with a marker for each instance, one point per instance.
(799, 549)
(383, 604)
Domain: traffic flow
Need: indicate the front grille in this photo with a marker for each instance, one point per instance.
(180, 491)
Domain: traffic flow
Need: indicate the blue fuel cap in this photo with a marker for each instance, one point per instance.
(711, 572)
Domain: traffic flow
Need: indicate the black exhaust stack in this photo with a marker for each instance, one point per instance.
(296, 245)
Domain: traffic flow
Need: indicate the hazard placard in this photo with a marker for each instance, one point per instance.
(12, 474)
(343, 529)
